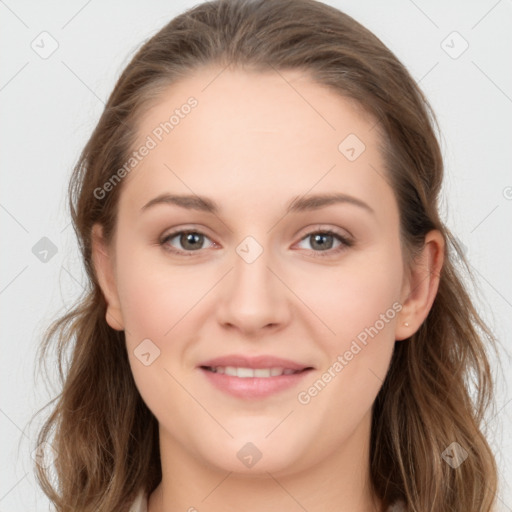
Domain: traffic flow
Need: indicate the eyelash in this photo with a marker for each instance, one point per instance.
(345, 242)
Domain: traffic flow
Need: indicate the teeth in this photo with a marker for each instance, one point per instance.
(244, 372)
(251, 372)
(230, 370)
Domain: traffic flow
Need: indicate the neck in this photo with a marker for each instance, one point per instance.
(340, 482)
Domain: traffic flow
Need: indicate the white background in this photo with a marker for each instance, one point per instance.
(50, 106)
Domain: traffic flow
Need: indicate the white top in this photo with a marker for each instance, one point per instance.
(398, 506)
(141, 504)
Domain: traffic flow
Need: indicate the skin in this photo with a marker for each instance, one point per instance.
(252, 144)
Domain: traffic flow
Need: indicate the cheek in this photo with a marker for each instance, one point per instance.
(360, 293)
(154, 302)
(359, 305)
(158, 304)
(154, 298)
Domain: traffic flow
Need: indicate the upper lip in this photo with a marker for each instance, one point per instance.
(263, 361)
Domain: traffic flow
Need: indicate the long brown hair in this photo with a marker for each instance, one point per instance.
(439, 384)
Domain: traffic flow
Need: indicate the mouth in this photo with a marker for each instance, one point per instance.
(253, 378)
(247, 373)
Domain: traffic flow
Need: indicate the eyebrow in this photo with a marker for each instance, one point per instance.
(297, 204)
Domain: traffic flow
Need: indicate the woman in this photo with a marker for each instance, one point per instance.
(274, 319)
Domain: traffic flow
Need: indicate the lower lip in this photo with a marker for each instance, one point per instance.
(253, 387)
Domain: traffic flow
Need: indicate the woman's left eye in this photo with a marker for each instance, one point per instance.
(192, 241)
(325, 241)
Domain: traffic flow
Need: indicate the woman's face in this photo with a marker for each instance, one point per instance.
(261, 284)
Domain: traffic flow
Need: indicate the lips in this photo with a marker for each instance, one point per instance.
(257, 362)
(253, 377)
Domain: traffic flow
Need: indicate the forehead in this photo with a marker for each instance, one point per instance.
(245, 132)
(249, 102)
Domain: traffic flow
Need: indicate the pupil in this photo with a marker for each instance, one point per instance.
(190, 238)
(319, 237)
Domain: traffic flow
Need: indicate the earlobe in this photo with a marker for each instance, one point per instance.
(421, 285)
(103, 266)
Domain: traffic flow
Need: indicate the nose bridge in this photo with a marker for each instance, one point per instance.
(254, 297)
(252, 278)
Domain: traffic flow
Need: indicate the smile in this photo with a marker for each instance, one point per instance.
(253, 383)
(245, 373)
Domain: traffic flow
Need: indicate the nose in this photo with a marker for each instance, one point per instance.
(253, 296)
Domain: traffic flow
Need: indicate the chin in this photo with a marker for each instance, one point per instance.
(255, 455)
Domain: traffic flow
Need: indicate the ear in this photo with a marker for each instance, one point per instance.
(102, 258)
(420, 285)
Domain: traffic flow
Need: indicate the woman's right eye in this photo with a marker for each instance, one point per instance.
(190, 241)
